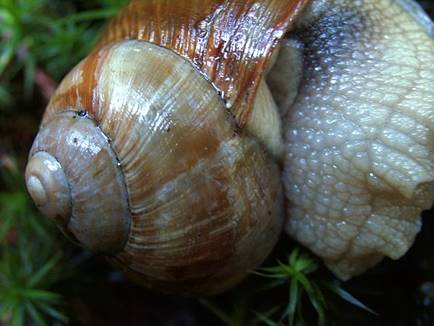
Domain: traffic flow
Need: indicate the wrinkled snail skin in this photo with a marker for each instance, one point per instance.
(169, 149)
(359, 166)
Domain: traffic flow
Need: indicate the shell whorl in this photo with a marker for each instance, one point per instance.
(204, 201)
(231, 42)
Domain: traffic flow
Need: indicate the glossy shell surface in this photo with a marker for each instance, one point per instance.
(205, 202)
(230, 41)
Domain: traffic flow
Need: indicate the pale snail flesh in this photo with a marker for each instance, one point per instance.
(163, 151)
(359, 166)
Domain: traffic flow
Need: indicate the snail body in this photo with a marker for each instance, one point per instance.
(359, 166)
(164, 148)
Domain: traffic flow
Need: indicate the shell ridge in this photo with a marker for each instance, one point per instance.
(207, 35)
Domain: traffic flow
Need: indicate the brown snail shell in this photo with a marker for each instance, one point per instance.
(154, 169)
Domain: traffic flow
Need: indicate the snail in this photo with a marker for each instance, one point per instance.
(196, 131)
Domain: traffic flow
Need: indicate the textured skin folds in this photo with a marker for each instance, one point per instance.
(360, 145)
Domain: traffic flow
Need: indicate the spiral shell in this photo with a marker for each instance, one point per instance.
(158, 178)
